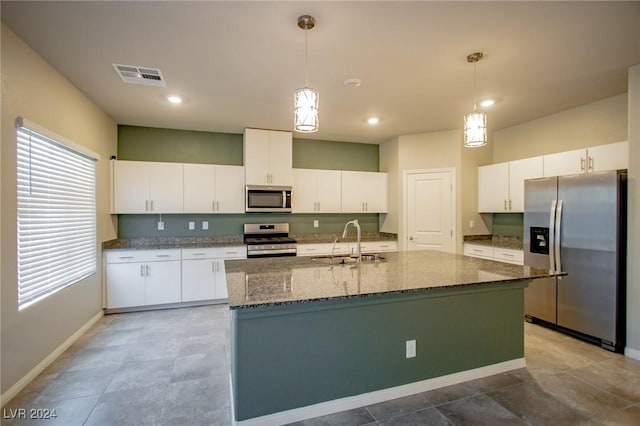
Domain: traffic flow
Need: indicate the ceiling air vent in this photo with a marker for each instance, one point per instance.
(140, 75)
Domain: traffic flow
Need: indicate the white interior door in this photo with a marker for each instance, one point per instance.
(430, 211)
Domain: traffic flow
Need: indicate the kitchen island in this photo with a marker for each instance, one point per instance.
(309, 337)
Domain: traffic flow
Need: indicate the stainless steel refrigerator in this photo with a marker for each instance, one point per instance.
(577, 224)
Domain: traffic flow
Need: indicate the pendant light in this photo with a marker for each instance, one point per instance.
(475, 123)
(306, 98)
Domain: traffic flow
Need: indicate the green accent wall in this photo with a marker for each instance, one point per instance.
(330, 155)
(510, 224)
(180, 146)
(176, 225)
(187, 146)
(290, 356)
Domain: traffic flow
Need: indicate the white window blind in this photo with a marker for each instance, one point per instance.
(56, 213)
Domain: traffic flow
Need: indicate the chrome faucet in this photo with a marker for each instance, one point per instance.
(355, 223)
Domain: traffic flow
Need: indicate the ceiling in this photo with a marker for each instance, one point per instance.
(237, 64)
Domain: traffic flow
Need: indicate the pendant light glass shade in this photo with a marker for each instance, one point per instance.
(306, 110)
(475, 129)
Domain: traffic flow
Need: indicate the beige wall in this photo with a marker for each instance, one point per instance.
(433, 151)
(597, 123)
(633, 232)
(34, 90)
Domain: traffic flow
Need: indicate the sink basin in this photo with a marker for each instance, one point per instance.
(348, 260)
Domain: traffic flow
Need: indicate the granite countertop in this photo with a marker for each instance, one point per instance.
(502, 241)
(350, 238)
(287, 280)
(172, 243)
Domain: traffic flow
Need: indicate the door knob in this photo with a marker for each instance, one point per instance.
(410, 238)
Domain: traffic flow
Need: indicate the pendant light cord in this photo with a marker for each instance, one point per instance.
(306, 81)
(475, 64)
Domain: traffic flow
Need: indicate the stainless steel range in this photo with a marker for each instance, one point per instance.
(268, 240)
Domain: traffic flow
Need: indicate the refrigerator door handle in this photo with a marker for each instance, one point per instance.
(557, 242)
(552, 232)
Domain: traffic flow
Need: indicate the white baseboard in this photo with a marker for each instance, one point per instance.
(27, 378)
(348, 403)
(632, 353)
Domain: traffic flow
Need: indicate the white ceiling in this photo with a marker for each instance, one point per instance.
(237, 64)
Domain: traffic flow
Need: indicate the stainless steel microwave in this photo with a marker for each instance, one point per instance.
(268, 199)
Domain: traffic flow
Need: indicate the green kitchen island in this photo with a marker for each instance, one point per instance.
(310, 337)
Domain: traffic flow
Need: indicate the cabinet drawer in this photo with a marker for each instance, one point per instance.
(509, 255)
(377, 246)
(476, 250)
(322, 249)
(235, 252)
(127, 256)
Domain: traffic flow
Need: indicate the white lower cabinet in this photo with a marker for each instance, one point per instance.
(137, 278)
(203, 273)
(142, 277)
(499, 254)
(327, 249)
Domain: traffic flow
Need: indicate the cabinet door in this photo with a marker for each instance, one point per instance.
(329, 191)
(354, 192)
(493, 188)
(130, 187)
(565, 163)
(199, 188)
(163, 282)
(256, 156)
(280, 158)
(375, 186)
(125, 285)
(613, 156)
(305, 188)
(519, 171)
(229, 189)
(198, 279)
(166, 187)
(221, 280)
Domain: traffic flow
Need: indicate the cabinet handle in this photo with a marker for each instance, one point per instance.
(510, 208)
(217, 206)
(146, 205)
(125, 257)
(198, 254)
(366, 206)
(505, 204)
(318, 205)
(142, 270)
(581, 164)
(213, 206)
(363, 206)
(151, 205)
(163, 255)
(507, 255)
(477, 250)
(590, 164)
(230, 252)
(213, 266)
(147, 270)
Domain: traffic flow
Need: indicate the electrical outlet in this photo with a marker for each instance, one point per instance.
(192, 225)
(316, 223)
(411, 348)
(472, 224)
(160, 225)
(205, 225)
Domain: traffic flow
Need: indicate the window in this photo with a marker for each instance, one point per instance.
(56, 213)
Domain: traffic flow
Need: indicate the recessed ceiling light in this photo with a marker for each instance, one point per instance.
(174, 99)
(487, 103)
(352, 82)
(373, 120)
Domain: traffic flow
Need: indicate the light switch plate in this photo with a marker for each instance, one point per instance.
(192, 225)
(160, 225)
(411, 348)
(316, 223)
(205, 225)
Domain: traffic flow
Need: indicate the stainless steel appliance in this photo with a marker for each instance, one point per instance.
(268, 199)
(268, 239)
(577, 224)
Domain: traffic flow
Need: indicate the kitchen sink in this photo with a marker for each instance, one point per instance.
(348, 260)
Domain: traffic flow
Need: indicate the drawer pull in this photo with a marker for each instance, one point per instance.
(507, 255)
(477, 250)
(230, 252)
(125, 257)
(198, 254)
(163, 255)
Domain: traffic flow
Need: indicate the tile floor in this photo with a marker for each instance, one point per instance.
(171, 368)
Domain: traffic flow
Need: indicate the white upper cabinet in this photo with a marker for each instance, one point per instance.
(316, 191)
(364, 192)
(212, 188)
(147, 187)
(268, 157)
(501, 186)
(613, 156)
